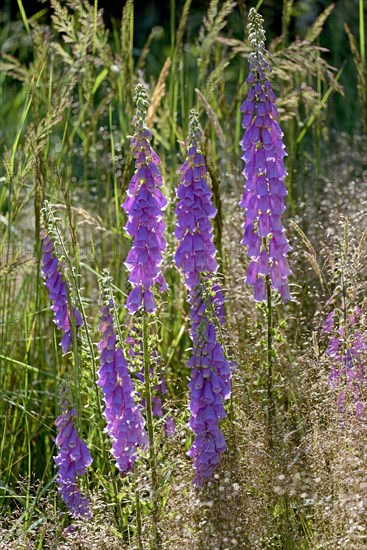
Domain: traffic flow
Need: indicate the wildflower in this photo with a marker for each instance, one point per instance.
(196, 255)
(125, 423)
(346, 349)
(196, 251)
(72, 461)
(144, 206)
(209, 387)
(263, 197)
(58, 292)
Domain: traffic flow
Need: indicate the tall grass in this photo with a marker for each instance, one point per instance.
(66, 108)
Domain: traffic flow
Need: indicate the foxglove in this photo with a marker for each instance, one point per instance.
(196, 252)
(265, 190)
(209, 387)
(72, 461)
(346, 350)
(144, 206)
(125, 423)
(196, 256)
(58, 292)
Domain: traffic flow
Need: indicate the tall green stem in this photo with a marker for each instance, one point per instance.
(361, 33)
(152, 457)
(271, 408)
(138, 519)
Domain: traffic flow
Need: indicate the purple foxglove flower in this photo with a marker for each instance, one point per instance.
(144, 207)
(125, 423)
(57, 292)
(209, 387)
(347, 375)
(72, 461)
(196, 252)
(264, 192)
(196, 256)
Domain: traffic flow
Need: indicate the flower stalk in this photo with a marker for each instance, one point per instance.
(144, 208)
(271, 404)
(196, 255)
(150, 426)
(265, 190)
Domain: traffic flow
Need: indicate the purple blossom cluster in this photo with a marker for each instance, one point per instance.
(144, 206)
(210, 371)
(58, 292)
(209, 387)
(264, 192)
(72, 461)
(125, 423)
(347, 351)
(196, 252)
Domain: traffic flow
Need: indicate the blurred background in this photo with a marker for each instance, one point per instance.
(345, 113)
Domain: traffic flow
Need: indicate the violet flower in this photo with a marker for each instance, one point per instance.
(125, 423)
(58, 292)
(263, 197)
(144, 206)
(196, 251)
(72, 461)
(347, 350)
(209, 387)
(210, 371)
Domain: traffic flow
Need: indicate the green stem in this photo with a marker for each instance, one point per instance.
(361, 33)
(271, 408)
(152, 457)
(138, 519)
(95, 21)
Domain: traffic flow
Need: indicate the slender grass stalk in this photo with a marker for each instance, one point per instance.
(29, 463)
(318, 107)
(172, 25)
(238, 126)
(24, 118)
(361, 33)
(360, 67)
(152, 455)
(95, 20)
(316, 140)
(115, 184)
(174, 82)
(286, 18)
(24, 16)
(363, 70)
